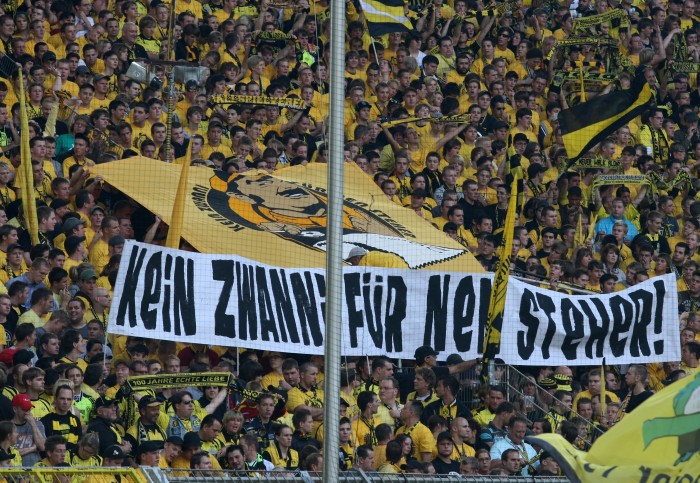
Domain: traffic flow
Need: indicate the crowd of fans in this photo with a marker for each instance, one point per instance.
(64, 400)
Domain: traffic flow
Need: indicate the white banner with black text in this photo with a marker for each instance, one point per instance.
(548, 328)
(228, 300)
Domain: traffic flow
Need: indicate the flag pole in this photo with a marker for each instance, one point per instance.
(27, 184)
(603, 397)
(376, 56)
(497, 303)
(374, 49)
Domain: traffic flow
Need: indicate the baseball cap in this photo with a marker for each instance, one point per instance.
(356, 252)
(148, 446)
(71, 223)
(116, 240)
(82, 70)
(99, 77)
(362, 105)
(88, 274)
(22, 401)
(7, 356)
(214, 124)
(191, 85)
(72, 242)
(13, 247)
(148, 401)
(95, 208)
(424, 351)
(58, 203)
(104, 402)
(453, 359)
(544, 455)
(114, 452)
(48, 55)
(690, 117)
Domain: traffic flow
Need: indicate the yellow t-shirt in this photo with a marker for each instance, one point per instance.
(423, 440)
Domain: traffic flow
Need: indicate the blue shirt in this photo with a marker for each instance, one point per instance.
(32, 287)
(606, 225)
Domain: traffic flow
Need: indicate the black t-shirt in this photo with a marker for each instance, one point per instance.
(6, 412)
(489, 264)
(442, 468)
(471, 211)
(190, 53)
(25, 240)
(636, 400)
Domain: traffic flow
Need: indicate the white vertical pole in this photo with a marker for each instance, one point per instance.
(334, 255)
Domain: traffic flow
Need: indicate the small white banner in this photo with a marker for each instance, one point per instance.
(547, 328)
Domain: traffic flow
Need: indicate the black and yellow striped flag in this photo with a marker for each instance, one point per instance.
(385, 17)
(497, 304)
(586, 124)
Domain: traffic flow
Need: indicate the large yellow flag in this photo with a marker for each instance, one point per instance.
(280, 219)
(497, 303)
(27, 178)
(658, 441)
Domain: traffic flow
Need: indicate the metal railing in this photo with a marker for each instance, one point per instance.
(77, 475)
(171, 475)
(538, 403)
(352, 477)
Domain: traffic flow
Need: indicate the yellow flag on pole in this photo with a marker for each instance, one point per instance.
(497, 303)
(27, 186)
(658, 441)
(178, 213)
(579, 237)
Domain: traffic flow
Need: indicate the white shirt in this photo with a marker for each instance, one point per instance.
(503, 444)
